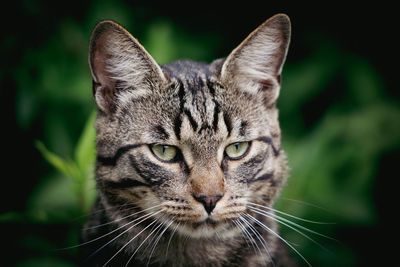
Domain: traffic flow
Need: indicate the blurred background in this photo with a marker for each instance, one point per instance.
(339, 113)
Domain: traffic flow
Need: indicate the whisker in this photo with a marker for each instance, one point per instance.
(143, 218)
(127, 243)
(251, 239)
(100, 237)
(278, 236)
(218, 236)
(157, 240)
(286, 222)
(170, 238)
(261, 239)
(141, 244)
(287, 214)
(93, 212)
(282, 219)
(152, 239)
(120, 219)
(306, 204)
(185, 238)
(241, 231)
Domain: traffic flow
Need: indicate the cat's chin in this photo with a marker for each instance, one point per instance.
(208, 222)
(207, 228)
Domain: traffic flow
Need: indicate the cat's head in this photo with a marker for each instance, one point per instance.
(188, 143)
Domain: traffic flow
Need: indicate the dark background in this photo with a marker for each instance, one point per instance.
(44, 45)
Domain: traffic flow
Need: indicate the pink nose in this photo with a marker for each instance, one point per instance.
(209, 202)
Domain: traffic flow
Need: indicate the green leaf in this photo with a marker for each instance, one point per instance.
(82, 169)
(85, 157)
(85, 151)
(68, 168)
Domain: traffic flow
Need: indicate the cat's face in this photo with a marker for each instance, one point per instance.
(189, 144)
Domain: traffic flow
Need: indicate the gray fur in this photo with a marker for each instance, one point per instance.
(200, 109)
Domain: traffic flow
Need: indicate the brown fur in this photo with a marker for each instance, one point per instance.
(199, 208)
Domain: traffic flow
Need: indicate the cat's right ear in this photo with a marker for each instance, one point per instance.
(255, 66)
(119, 63)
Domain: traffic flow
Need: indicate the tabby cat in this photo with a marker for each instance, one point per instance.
(189, 154)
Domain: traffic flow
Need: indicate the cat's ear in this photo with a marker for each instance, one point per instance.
(255, 66)
(118, 63)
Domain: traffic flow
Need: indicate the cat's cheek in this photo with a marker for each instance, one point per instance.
(226, 213)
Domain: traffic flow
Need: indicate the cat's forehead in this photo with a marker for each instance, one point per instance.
(197, 109)
(187, 70)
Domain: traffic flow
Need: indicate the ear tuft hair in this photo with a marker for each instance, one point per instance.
(255, 66)
(118, 62)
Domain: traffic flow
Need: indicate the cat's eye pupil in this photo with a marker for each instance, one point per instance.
(164, 152)
(237, 150)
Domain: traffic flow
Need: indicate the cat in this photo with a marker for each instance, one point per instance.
(189, 156)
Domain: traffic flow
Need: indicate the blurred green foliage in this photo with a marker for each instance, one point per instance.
(80, 171)
(333, 132)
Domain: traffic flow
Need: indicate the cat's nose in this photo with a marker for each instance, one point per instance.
(209, 202)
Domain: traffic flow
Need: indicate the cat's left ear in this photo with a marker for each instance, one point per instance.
(119, 63)
(255, 66)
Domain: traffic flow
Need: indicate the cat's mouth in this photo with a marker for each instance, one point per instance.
(208, 222)
(206, 228)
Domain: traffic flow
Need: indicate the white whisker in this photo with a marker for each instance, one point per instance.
(287, 214)
(152, 239)
(170, 238)
(120, 219)
(241, 231)
(286, 222)
(93, 212)
(306, 204)
(282, 220)
(127, 243)
(141, 244)
(251, 239)
(260, 238)
(107, 234)
(143, 218)
(278, 236)
(156, 242)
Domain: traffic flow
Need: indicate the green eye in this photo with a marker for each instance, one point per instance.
(164, 152)
(237, 150)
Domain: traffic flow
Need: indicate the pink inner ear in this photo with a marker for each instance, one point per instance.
(102, 75)
(269, 90)
(266, 85)
(279, 79)
(103, 85)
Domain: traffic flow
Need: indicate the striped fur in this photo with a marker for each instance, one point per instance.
(200, 109)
